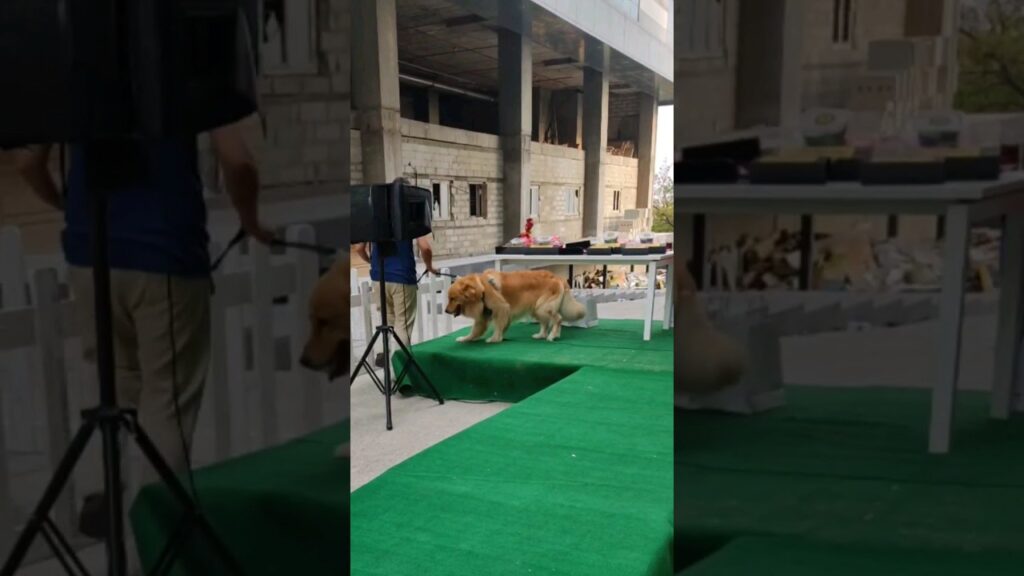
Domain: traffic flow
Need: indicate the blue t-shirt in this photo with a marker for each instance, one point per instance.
(156, 224)
(399, 265)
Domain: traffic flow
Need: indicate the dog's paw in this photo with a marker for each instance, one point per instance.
(463, 339)
(539, 336)
(494, 340)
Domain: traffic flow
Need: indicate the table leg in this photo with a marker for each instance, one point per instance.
(806, 251)
(666, 322)
(699, 258)
(652, 279)
(1008, 336)
(951, 311)
(497, 265)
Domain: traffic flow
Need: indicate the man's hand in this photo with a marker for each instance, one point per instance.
(427, 254)
(258, 232)
(362, 252)
(241, 179)
(33, 165)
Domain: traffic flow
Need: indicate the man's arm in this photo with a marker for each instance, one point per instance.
(33, 165)
(241, 178)
(426, 252)
(362, 252)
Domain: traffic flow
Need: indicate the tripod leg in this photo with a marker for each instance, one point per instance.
(416, 365)
(57, 552)
(109, 428)
(65, 547)
(50, 495)
(366, 354)
(192, 512)
(388, 384)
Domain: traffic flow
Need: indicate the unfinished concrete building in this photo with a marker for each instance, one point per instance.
(512, 109)
(746, 64)
(753, 68)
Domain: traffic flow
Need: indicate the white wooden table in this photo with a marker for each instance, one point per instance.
(651, 261)
(962, 204)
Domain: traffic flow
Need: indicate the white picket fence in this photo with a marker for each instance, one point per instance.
(257, 395)
(431, 320)
(759, 321)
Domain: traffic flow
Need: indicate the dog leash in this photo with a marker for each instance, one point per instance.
(425, 272)
(240, 235)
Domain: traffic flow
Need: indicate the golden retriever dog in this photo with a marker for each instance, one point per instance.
(326, 348)
(503, 297)
(706, 360)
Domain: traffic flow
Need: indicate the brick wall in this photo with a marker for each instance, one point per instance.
(705, 94)
(443, 154)
(830, 70)
(558, 171)
(620, 174)
(306, 117)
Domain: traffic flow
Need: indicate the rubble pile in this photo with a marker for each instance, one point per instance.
(850, 262)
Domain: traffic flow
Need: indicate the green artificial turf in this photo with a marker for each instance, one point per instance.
(795, 557)
(280, 511)
(521, 366)
(850, 467)
(575, 480)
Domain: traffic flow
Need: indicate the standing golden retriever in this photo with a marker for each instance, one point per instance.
(506, 296)
(706, 360)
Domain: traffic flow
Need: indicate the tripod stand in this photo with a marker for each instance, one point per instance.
(385, 332)
(109, 421)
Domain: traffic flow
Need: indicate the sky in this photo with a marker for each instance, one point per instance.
(663, 147)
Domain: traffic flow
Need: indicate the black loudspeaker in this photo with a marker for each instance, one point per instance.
(390, 212)
(80, 70)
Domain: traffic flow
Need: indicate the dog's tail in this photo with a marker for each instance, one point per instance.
(571, 310)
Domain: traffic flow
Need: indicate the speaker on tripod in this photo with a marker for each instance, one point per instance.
(106, 75)
(385, 214)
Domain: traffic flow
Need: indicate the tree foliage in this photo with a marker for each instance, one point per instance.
(664, 211)
(991, 56)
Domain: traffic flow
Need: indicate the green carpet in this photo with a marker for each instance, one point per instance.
(793, 557)
(575, 480)
(850, 467)
(282, 511)
(521, 366)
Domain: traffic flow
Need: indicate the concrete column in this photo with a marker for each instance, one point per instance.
(950, 37)
(595, 138)
(645, 145)
(515, 98)
(578, 114)
(375, 88)
(541, 112)
(792, 65)
(434, 106)
(769, 65)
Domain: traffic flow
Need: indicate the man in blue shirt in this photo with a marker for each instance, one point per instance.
(160, 276)
(400, 282)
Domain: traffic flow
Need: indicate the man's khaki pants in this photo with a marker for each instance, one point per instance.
(401, 301)
(146, 375)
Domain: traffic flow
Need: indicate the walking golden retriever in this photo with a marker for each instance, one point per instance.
(502, 297)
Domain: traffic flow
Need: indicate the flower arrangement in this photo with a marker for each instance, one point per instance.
(527, 235)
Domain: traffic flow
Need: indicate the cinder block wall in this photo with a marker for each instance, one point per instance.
(443, 154)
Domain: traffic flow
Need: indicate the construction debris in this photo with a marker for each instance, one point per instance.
(851, 261)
